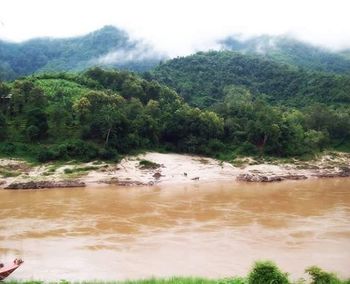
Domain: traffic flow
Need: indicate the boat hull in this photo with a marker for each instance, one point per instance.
(6, 271)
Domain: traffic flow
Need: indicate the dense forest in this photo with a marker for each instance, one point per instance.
(203, 77)
(278, 97)
(249, 93)
(108, 46)
(100, 114)
(283, 49)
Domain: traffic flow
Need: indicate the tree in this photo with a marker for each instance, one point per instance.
(3, 127)
(4, 89)
(59, 117)
(319, 276)
(33, 133)
(36, 98)
(264, 130)
(265, 272)
(133, 88)
(315, 140)
(109, 118)
(319, 117)
(37, 123)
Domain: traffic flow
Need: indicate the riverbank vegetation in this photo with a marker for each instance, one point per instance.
(266, 106)
(103, 114)
(263, 272)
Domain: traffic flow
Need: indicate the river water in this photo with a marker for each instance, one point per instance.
(210, 230)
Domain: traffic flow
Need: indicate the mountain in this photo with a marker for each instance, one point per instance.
(108, 46)
(290, 51)
(112, 47)
(100, 114)
(203, 79)
(262, 100)
(346, 53)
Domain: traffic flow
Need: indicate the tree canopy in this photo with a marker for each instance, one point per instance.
(103, 113)
(201, 80)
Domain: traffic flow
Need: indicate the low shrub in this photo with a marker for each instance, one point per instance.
(319, 276)
(145, 164)
(7, 148)
(266, 272)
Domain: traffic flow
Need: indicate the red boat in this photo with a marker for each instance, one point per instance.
(8, 269)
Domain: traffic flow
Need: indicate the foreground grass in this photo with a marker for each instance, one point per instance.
(182, 280)
(262, 272)
(173, 280)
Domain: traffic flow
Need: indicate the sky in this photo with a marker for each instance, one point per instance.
(180, 27)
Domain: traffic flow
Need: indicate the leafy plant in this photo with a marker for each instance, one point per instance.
(266, 272)
(145, 164)
(320, 276)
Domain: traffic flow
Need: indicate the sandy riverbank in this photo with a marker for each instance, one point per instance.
(167, 169)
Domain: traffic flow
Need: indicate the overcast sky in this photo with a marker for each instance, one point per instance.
(180, 26)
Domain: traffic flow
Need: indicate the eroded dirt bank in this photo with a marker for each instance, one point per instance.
(156, 168)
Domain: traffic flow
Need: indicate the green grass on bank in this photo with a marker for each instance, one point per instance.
(263, 272)
(174, 280)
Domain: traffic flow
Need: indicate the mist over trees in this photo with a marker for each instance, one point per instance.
(284, 49)
(98, 48)
(277, 97)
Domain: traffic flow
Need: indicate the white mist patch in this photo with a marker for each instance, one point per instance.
(264, 47)
(122, 56)
(174, 26)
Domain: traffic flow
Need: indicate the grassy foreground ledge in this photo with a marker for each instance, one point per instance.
(263, 272)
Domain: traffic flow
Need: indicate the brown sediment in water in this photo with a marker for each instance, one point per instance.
(211, 229)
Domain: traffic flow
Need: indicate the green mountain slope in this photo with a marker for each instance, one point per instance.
(346, 54)
(99, 114)
(290, 51)
(202, 79)
(108, 46)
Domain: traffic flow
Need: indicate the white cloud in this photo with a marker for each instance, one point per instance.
(122, 56)
(180, 26)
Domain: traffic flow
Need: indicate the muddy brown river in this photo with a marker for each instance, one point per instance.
(210, 230)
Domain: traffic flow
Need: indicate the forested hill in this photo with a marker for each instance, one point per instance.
(100, 114)
(112, 47)
(290, 51)
(204, 79)
(108, 46)
(346, 53)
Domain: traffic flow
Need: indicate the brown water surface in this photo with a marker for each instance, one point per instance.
(212, 230)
